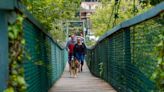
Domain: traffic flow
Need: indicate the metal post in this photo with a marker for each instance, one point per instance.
(127, 55)
(84, 31)
(67, 31)
(3, 51)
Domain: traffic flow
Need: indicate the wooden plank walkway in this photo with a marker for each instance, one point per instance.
(85, 82)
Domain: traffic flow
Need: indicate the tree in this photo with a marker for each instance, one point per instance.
(53, 13)
(113, 13)
(152, 2)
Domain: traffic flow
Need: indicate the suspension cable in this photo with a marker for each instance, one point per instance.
(116, 15)
(110, 18)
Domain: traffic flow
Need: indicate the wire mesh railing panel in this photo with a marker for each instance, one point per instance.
(32, 74)
(144, 39)
(49, 61)
(128, 57)
(44, 59)
(54, 63)
(35, 61)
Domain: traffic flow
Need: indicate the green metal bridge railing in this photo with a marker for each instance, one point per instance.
(44, 59)
(124, 56)
(47, 60)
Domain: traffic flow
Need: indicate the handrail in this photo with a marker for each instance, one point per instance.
(7, 6)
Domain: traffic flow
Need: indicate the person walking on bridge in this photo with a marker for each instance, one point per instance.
(70, 45)
(79, 52)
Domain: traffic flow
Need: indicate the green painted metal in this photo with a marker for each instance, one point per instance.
(3, 51)
(128, 55)
(32, 70)
(47, 59)
(7, 4)
(122, 56)
(44, 58)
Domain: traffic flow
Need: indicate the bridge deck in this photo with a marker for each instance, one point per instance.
(85, 82)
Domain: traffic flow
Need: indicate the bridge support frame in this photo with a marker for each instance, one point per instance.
(3, 50)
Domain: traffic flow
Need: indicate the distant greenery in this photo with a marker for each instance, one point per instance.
(147, 43)
(112, 13)
(152, 2)
(90, 42)
(158, 74)
(53, 14)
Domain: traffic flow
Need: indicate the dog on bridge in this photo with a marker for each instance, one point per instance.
(74, 65)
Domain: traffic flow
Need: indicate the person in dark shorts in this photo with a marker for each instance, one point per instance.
(70, 46)
(79, 52)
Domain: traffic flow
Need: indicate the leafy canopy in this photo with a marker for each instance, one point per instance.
(53, 14)
(111, 14)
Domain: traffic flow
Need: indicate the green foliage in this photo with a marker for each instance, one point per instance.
(40, 63)
(101, 68)
(90, 43)
(112, 14)
(152, 2)
(158, 74)
(53, 13)
(16, 82)
(148, 49)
